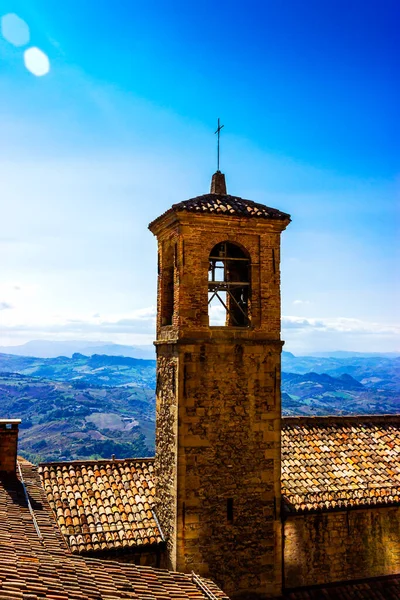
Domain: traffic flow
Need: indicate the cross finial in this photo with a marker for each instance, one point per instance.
(218, 132)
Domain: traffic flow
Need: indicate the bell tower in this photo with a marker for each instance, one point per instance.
(218, 424)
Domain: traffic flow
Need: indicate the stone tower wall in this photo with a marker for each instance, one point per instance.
(166, 446)
(218, 409)
(228, 451)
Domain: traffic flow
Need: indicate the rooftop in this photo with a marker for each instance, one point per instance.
(41, 567)
(340, 462)
(36, 564)
(328, 463)
(103, 505)
(218, 202)
(228, 205)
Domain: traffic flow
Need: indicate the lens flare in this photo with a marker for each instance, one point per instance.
(15, 30)
(36, 61)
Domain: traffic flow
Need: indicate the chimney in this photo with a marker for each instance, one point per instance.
(8, 445)
(218, 185)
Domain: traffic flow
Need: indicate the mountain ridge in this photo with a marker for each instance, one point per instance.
(54, 348)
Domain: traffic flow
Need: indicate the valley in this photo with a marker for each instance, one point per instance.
(82, 407)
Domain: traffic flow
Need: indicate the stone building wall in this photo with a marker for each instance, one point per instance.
(339, 546)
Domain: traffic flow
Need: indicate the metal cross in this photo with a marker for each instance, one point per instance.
(218, 131)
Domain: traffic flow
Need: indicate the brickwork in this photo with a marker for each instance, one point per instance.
(8, 445)
(340, 546)
(218, 408)
(190, 241)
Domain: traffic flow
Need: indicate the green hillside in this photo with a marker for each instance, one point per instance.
(93, 407)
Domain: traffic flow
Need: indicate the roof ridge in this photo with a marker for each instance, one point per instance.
(102, 461)
(339, 419)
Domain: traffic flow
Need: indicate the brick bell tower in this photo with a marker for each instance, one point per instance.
(218, 390)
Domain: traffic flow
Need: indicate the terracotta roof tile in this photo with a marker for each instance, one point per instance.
(327, 463)
(224, 204)
(31, 569)
(340, 462)
(43, 568)
(103, 505)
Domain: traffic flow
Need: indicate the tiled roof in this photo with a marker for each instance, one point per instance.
(224, 204)
(43, 568)
(327, 463)
(385, 588)
(340, 462)
(103, 505)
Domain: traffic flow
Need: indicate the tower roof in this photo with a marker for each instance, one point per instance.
(229, 205)
(218, 203)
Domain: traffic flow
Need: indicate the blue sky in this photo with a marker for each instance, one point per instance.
(122, 126)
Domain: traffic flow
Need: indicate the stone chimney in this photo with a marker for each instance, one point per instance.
(218, 185)
(8, 445)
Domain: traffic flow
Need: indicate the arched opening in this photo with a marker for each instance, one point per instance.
(228, 286)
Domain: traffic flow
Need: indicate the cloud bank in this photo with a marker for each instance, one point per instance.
(301, 334)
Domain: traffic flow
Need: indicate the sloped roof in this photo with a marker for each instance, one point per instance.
(43, 568)
(339, 462)
(327, 463)
(103, 505)
(224, 204)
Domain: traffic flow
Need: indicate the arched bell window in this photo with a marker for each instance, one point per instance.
(229, 286)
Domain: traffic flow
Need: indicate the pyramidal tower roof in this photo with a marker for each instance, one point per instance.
(218, 202)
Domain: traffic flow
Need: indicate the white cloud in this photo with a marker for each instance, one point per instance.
(5, 306)
(301, 334)
(137, 326)
(304, 335)
(339, 324)
(217, 313)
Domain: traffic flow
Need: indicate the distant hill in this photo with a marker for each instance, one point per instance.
(94, 406)
(376, 372)
(64, 421)
(322, 394)
(98, 369)
(51, 349)
(347, 354)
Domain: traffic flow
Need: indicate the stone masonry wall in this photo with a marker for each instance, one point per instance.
(339, 546)
(228, 525)
(166, 451)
